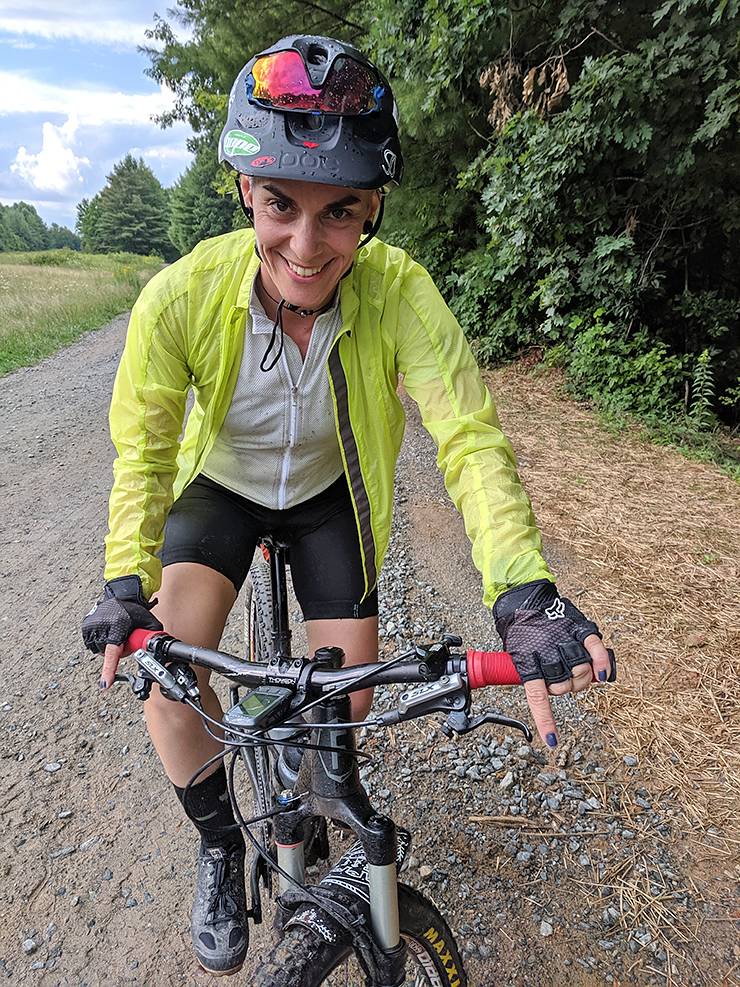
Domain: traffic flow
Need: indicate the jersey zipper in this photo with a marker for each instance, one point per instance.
(292, 426)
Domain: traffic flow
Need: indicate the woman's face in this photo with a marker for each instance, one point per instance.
(307, 235)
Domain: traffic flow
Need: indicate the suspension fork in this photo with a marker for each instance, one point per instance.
(335, 791)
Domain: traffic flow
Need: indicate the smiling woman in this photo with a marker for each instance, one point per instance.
(292, 336)
(308, 235)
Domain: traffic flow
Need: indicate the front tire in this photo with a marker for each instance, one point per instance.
(304, 958)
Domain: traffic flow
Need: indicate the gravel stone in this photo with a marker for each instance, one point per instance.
(507, 781)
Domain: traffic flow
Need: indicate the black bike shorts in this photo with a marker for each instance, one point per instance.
(215, 527)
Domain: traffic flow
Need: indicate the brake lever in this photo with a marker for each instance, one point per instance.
(441, 696)
(177, 682)
(140, 685)
(460, 722)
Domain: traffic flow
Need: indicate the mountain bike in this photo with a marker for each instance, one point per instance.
(397, 936)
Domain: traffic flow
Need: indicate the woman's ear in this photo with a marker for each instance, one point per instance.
(246, 186)
(375, 200)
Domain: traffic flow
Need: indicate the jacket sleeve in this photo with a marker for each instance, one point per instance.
(146, 417)
(476, 459)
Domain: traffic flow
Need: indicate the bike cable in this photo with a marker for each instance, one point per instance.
(265, 742)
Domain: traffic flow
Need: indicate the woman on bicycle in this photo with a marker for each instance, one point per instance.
(291, 336)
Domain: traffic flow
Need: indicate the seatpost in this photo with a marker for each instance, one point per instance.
(281, 632)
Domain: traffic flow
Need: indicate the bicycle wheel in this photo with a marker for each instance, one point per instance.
(258, 647)
(306, 958)
(258, 612)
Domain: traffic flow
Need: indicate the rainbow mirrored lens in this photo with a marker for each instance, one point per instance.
(281, 81)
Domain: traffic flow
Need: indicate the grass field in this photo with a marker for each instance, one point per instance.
(48, 299)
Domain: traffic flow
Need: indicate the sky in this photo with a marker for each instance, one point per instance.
(74, 100)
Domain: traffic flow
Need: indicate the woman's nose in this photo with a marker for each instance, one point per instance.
(306, 238)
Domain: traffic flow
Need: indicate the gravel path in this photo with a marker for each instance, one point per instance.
(555, 869)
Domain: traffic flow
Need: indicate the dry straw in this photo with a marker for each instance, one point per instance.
(648, 543)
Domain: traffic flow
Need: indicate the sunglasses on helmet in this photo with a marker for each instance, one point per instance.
(280, 81)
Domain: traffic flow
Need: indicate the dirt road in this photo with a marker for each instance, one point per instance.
(545, 879)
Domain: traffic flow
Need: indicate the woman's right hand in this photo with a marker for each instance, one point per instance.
(121, 609)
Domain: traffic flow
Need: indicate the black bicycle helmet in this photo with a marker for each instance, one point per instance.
(316, 109)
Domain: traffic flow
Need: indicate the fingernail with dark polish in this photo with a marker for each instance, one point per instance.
(602, 675)
(552, 740)
(103, 684)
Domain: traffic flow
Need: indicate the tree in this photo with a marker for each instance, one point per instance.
(61, 236)
(88, 223)
(24, 227)
(197, 209)
(9, 239)
(132, 213)
(572, 170)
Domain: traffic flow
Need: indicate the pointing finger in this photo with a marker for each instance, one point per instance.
(113, 653)
(600, 657)
(539, 704)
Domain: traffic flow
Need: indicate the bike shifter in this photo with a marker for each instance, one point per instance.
(459, 722)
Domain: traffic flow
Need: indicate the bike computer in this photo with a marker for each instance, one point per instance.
(259, 708)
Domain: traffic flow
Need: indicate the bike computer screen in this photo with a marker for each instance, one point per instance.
(259, 707)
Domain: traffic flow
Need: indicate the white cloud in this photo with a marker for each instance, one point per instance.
(119, 33)
(48, 205)
(21, 93)
(116, 25)
(18, 45)
(56, 167)
(161, 152)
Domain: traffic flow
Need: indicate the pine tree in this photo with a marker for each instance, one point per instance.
(197, 209)
(88, 224)
(133, 212)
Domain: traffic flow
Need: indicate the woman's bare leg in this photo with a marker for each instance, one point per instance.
(359, 641)
(194, 602)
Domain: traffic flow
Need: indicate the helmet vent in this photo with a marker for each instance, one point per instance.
(316, 55)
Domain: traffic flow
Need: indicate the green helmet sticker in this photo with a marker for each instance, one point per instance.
(238, 142)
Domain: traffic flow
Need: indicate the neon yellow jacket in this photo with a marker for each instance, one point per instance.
(187, 331)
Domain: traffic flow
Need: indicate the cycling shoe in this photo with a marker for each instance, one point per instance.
(219, 917)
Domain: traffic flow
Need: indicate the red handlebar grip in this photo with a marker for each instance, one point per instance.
(139, 638)
(491, 668)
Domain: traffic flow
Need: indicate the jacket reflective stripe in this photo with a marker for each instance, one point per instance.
(338, 381)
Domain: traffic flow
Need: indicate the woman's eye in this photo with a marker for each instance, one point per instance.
(279, 205)
(339, 213)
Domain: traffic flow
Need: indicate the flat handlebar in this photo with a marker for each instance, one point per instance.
(484, 668)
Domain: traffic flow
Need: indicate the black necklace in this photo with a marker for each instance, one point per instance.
(302, 312)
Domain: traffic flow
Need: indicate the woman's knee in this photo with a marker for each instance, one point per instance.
(194, 602)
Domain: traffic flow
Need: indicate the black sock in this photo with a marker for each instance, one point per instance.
(210, 811)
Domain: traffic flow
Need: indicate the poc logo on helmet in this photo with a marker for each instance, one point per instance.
(290, 159)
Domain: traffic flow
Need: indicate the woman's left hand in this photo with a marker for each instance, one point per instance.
(554, 647)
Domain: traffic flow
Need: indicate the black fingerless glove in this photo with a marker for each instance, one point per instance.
(121, 610)
(542, 631)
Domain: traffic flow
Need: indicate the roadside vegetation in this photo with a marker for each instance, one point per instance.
(49, 298)
(570, 183)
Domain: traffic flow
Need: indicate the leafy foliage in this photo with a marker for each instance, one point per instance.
(573, 174)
